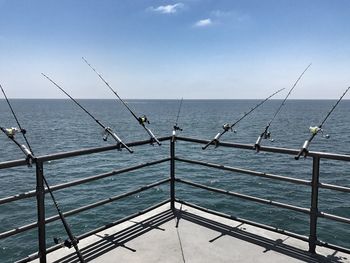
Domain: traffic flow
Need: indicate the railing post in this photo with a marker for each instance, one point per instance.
(314, 204)
(172, 172)
(40, 197)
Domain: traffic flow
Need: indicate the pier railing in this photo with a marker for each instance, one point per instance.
(313, 211)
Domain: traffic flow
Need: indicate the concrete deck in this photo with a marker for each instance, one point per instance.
(191, 235)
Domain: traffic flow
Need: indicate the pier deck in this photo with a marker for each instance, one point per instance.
(191, 235)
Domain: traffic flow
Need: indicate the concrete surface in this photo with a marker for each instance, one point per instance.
(190, 235)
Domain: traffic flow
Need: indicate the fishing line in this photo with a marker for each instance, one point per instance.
(266, 134)
(107, 130)
(141, 120)
(30, 156)
(227, 127)
(315, 130)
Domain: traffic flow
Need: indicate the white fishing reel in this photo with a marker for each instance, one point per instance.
(315, 130)
(11, 132)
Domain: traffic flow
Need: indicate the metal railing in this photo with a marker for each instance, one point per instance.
(313, 211)
(315, 185)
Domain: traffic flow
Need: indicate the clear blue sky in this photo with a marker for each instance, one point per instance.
(171, 49)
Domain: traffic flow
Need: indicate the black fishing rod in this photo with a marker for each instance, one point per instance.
(30, 158)
(107, 130)
(176, 127)
(141, 120)
(266, 134)
(227, 127)
(11, 132)
(316, 129)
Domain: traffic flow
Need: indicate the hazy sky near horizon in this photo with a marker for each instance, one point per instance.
(209, 49)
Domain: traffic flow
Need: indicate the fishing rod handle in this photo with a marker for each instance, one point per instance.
(156, 140)
(257, 144)
(217, 136)
(206, 146)
(127, 147)
(119, 141)
(215, 140)
(303, 151)
(153, 137)
(26, 151)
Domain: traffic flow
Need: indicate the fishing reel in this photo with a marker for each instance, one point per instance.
(177, 128)
(267, 135)
(142, 120)
(227, 127)
(305, 148)
(11, 132)
(67, 243)
(315, 130)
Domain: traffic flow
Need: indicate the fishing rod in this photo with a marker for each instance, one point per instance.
(227, 127)
(142, 120)
(176, 127)
(30, 158)
(266, 134)
(316, 129)
(11, 132)
(107, 130)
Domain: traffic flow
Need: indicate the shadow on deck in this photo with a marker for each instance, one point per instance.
(189, 235)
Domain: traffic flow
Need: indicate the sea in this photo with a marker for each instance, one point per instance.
(58, 125)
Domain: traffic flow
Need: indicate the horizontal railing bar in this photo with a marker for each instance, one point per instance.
(334, 247)
(92, 232)
(246, 197)
(335, 187)
(245, 171)
(57, 156)
(14, 163)
(18, 230)
(340, 157)
(334, 217)
(245, 221)
(80, 209)
(32, 193)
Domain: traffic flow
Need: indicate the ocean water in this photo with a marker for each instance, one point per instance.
(59, 125)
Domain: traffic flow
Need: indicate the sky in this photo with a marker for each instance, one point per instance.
(209, 49)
